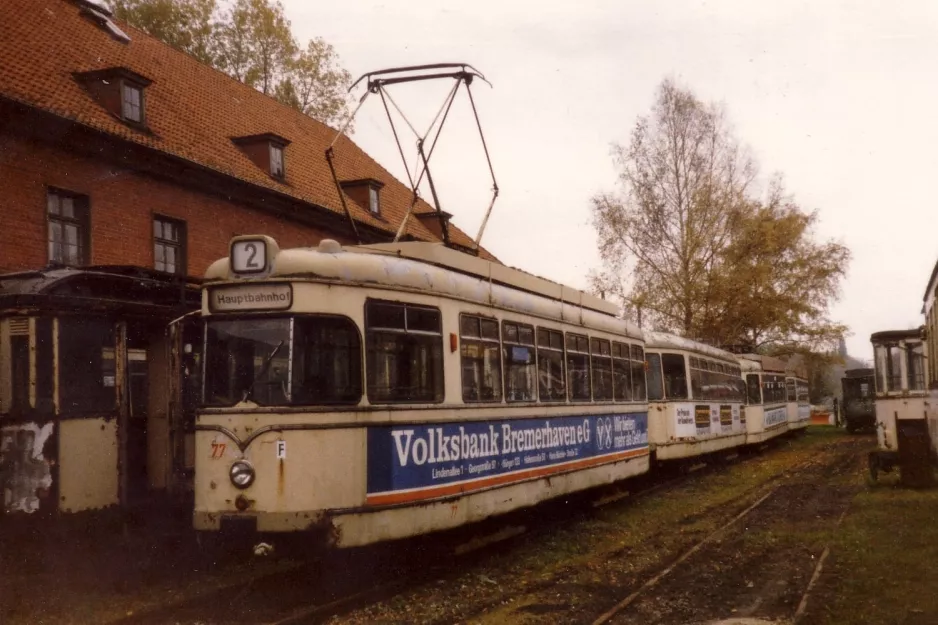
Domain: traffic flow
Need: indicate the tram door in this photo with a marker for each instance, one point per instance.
(139, 390)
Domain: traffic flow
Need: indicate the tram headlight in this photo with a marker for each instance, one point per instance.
(241, 474)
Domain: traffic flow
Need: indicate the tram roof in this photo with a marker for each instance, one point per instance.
(766, 363)
(398, 265)
(896, 335)
(672, 341)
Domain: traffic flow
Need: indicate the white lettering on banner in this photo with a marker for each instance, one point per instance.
(435, 446)
(253, 297)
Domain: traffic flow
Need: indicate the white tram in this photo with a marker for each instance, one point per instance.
(373, 393)
(902, 404)
(798, 404)
(766, 412)
(695, 418)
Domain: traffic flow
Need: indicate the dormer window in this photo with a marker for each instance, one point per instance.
(366, 193)
(267, 151)
(276, 160)
(120, 91)
(132, 103)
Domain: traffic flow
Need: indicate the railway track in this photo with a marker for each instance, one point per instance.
(317, 590)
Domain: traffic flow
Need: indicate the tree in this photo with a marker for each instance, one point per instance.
(316, 84)
(706, 259)
(683, 177)
(776, 282)
(251, 42)
(187, 25)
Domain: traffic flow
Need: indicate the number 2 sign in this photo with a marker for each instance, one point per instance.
(249, 255)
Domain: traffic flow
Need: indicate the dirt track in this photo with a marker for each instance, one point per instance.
(570, 570)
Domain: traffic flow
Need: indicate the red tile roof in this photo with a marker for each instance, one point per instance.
(192, 110)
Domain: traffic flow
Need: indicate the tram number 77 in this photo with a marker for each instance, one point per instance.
(218, 450)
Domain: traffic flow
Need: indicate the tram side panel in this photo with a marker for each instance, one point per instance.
(373, 473)
(690, 428)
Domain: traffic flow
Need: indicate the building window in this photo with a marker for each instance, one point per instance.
(68, 227)
(480, 353)
(132, 103)
(404, 353)
(276, 160)
(551, 379)
(373, 205)
(169, 245)
(520, 365)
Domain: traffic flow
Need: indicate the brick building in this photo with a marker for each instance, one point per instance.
(126, 167)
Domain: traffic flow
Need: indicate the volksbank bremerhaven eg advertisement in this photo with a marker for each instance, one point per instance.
(414, 462)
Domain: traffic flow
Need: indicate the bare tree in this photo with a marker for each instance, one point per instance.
(683, 178)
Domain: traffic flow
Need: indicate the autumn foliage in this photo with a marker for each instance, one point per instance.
(691, 247)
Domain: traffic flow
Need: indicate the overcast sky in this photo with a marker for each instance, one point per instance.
(840, 97)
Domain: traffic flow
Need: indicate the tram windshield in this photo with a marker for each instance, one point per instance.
(282, 361)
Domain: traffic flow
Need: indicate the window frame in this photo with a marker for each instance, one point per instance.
(505, 361)
(374, 200)
(665, 377)
(369, 374)
(131, 86)
(551, 333)
(578, 351)
(275, 148)
(621, 354)
(497, 343)
(181, 244)
(81, 209)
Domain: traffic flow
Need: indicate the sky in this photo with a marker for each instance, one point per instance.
(839, 97)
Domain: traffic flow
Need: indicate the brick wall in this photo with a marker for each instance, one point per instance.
(122, 206)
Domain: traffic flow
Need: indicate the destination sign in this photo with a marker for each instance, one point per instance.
(250, 297)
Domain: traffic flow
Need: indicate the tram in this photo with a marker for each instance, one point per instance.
(695, 398)
(766, 412)
(798, 405)
(902, 406)
(859, 411)
(370, 393)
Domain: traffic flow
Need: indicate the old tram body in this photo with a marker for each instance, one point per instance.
(379, 392)
(902, 405)
(696, 418)
(766, 411)
(858, 406)
(797, 402)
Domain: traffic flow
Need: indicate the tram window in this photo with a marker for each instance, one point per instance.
(803, 391)
(86, 365)
(480, 354)
(520, 365)
(773, 389)
(327, 361)
(879, 360)
(753, 389)
(19, 356)
(404, 364)
(915, 367)
(675, 376)
(621, 372)
(655, 387)
(550, 375)
(696, 379)
(247, 359)
(578, 367)
(601, 367)
(790, 388)
(895, 372)
(638, 374)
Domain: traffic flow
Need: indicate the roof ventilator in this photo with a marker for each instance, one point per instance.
(377, 83)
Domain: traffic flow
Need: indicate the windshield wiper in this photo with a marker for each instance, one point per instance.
(270, 358)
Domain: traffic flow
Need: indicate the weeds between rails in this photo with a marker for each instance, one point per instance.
(316, 586)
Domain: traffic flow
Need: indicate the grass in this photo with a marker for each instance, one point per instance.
(884, 560)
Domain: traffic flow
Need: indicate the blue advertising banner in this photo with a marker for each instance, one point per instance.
(414, 462)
